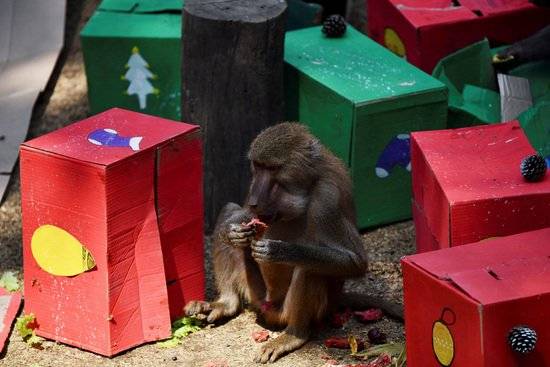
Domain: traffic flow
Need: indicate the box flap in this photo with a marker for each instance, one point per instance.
(356, 67)
(482, 103)
(515, 95)
(110, 136)
(494, 270)
(536, 124)
(112, 24)
(432, 12)
(141, 6)
(423, 13)
(470, 65)
(480, 162)
(9, 306)
(488, 7)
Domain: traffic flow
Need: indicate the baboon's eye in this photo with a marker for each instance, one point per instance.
(266, 167)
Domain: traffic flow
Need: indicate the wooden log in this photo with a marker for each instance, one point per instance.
(232, 86)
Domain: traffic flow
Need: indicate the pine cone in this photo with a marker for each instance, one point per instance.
(522, 339)
(533, 167)
(334, 26)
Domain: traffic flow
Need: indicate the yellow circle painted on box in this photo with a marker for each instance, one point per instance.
(394, 43)
(443, 343)
(59, 253)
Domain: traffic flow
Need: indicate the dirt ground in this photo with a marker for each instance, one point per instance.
(226, 345)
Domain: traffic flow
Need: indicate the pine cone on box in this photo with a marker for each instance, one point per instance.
(533, 167)
(522, 339)
(334, 26)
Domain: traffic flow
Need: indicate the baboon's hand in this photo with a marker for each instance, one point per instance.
(270, 250)
(240, 235)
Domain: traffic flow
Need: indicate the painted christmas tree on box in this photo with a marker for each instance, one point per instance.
(138, 74)
(141, 40)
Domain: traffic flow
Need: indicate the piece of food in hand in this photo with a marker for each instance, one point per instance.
(258, 227)
(371, 315)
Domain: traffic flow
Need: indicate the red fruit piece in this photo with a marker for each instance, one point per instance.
(258, 226)
(373, 314)
(340, 318)
(337, 342)
(343, 343)
(383, 360)
(260, 336)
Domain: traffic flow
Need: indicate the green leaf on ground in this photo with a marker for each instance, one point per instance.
(396, 350)
(180, 329)
(9, 281)
(26, 325)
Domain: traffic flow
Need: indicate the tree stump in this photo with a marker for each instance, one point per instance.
(232, 86)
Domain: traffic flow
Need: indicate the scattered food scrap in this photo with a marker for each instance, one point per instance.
(350, 342)
(180, 329)
(393, 352)
(371, 315)
(339, 319)
(260, 336)
(26, 325)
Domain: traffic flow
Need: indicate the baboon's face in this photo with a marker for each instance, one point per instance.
(276, 194)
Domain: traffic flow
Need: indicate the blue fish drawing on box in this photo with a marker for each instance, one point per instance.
(110, 138)
(396, 153)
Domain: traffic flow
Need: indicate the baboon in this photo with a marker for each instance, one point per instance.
(293, 275)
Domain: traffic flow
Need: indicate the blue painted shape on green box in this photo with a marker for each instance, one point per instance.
(361, 100)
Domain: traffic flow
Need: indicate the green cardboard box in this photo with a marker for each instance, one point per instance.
(362, 101)
(474, 98)
(132, 55)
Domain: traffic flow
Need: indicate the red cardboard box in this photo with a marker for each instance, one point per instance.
(467, 186)
(424, 31)
(9, 306)
(461, 303)
(112, 229)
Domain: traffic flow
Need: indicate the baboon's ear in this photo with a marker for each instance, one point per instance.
(315, 149)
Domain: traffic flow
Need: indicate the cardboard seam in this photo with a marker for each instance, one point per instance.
(481, 333)
(532, 195)
(440, 188)
(427, 93)
(121, 335)
(447, 279)
(353, 141)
